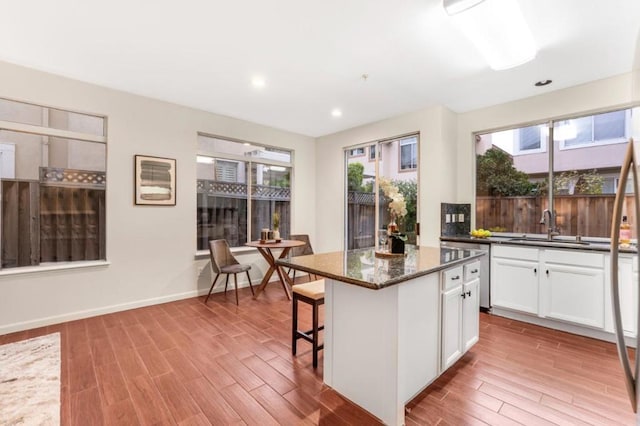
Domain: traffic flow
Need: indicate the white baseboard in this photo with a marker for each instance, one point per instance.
(87, 313)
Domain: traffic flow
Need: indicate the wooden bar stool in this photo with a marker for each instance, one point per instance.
(313, 294)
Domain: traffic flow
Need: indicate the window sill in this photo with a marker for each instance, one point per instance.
(204, 254)
(58, 266)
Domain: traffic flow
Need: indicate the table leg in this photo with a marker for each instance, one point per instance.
(268, 256)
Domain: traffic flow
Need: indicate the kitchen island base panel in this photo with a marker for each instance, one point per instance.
(381, 346)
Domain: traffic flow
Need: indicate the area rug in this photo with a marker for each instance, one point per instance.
(30, 381)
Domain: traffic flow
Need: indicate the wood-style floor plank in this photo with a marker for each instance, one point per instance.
(187, 363)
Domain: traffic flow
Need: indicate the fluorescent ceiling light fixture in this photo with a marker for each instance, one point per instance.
(336, 113)
(258, 82)
(497, 29)
(456, 6)
(204, 160)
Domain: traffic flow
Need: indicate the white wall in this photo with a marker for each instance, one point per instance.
(587, 98)
(150, 249)
(437, 150)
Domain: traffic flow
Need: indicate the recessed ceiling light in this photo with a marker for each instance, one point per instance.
(258, 82)
(336, 113)
(543, 83)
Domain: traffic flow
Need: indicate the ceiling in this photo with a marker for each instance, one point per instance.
(312, 55)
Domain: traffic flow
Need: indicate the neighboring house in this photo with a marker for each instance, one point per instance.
(398, 159)
(585, 144)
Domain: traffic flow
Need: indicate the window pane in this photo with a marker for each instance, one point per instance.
(221, 205)
(610, 125)
(361, 215)
(578, 131)
(219, 146)
(408, 153)
(19, 112)
(529, 138)
(270, 194)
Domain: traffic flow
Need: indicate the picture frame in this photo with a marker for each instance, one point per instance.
(155, 181)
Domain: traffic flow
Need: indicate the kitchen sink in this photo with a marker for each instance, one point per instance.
(540, 240)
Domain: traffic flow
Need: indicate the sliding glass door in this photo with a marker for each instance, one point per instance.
(381, 188)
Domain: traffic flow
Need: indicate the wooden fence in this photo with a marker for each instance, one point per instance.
(587, 215)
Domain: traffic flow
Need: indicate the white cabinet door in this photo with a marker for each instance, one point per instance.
(628, 294)
(514, 284)
(470, 314)
(451, 326)
(574, 293)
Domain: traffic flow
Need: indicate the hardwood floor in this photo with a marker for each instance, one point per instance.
(187, 363)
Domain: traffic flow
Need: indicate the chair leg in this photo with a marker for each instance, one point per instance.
(235, 280)
(211, 289)
(226, 283)
(293, 279)
(250, 285)
(315, 335)
(294, 325)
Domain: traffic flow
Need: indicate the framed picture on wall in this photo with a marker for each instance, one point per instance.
(155, 181)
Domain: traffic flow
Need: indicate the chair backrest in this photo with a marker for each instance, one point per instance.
(220, 255)
(302, 250)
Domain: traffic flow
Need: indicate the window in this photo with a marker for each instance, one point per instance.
(512, 175)
(52, 180)
(356, 152)
(409, 153)
(372, 152)
(530, 139)
(239, 188)
(609, 127)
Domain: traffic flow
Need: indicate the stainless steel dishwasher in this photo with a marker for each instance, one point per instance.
(485, 269)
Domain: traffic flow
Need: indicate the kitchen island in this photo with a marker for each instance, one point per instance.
(391, 324)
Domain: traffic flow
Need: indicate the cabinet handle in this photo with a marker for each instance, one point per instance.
(469, 293)
(547, 272)
(463, 295)
(475, 271)
(535, 270)
(457, 277)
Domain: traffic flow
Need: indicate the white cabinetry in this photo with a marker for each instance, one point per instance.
(514, 278)
(628, 288)
(460, 311)
(573, 283)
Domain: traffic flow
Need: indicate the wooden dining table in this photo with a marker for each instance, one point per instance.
(265, 249)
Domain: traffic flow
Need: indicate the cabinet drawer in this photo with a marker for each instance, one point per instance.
(514, 252)
(575, 257)
(452, 277)
(471, 271)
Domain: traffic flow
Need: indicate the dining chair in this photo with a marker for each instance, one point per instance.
(223, 262)
(300, 251)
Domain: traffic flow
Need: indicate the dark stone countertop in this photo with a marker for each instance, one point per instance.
(540, 241)
(361, 267)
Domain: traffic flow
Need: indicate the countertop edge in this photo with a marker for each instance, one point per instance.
(559, 244)
(389, 283)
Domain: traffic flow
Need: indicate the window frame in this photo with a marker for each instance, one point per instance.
(600, 142)
(69, 135)
(248, 161)
(414, 150)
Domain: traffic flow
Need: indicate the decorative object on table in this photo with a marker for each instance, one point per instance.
(155, 181)
(276, 225)
(30, 381)
(264, 235)
(397, 210)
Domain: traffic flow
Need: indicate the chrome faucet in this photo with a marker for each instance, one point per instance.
(549, 220)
